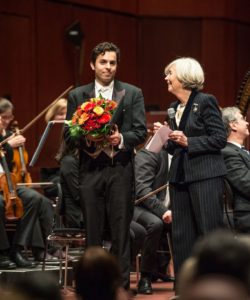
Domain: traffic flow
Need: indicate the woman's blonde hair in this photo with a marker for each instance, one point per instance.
(189, 72)
(55, 109)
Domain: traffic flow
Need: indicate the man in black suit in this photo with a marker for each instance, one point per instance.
(106, 180)
(37, 220)
(237, 160)
(151, 172)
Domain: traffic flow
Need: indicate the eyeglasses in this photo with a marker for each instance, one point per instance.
(7, 117)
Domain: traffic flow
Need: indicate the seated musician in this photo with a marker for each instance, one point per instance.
(151, 172)
(55, 113)
(237, 160)
(66, 173)
(37, 220)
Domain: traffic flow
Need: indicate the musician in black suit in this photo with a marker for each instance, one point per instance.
(37, 220)
(106, 174)
(237, 160)
(151, 172)
(197, 167)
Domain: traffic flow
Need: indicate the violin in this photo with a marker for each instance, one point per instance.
(13, 204)
(20, 159)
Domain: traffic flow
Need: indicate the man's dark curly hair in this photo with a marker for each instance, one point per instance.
(105, 47)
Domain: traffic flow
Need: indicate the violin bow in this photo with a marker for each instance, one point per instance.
(45, 110)
(37, 117)
(138, 201)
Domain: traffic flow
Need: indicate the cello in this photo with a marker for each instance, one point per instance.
(13, 204)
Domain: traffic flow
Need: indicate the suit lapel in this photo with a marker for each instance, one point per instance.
(118, 95)
(187, 110)
(241, 152)
(89, 92)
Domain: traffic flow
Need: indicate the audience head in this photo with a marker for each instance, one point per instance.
(188, 72)
(235, 124)
(37, 285)
(219, 269)
(57, 111)
(97, 275)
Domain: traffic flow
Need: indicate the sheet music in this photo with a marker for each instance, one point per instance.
(159, 139)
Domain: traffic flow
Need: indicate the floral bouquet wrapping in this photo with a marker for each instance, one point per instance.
(92, 119)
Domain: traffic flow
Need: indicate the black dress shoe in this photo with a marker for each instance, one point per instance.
(144, 286)
(22, 262)
(6, 263)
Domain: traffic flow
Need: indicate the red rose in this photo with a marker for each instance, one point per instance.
(89, 106)
(105, 118)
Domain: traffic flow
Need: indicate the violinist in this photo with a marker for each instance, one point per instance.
(37, 220)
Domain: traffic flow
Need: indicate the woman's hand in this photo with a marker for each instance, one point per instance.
(158, 125)
(179, 138)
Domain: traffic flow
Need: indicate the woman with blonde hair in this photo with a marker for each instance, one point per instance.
(57, 111)
(197, 167)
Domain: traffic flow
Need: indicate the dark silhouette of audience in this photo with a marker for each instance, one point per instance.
(98, 276)
(218, 269)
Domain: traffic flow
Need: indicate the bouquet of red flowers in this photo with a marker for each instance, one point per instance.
(92, 118)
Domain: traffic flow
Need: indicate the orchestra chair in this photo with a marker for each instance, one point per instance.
(138, 257)
(63, 237)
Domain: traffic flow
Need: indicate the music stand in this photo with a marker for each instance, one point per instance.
(49, 145)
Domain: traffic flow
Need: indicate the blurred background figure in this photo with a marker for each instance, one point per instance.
(237, 160)
(219, 269)
(58, 113)
(98, 276)
(66, 174)
(34, 286)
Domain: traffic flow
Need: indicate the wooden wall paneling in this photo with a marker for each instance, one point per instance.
(219, 59)
(122, 30)
(242, 10)
(19, 7)
(243, 52)
(128, 6)
(17, 68)
(187, 8)
(161, 41)
(94, 26)
(54, 58)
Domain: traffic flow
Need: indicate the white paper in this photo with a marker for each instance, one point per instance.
(159, 139)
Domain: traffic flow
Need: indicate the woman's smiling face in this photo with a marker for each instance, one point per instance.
(174, 85)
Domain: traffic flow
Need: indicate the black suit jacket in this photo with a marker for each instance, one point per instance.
(129, 115)
(238, 174)
(151, 172)
(206, 134)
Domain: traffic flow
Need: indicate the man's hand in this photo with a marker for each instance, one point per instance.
(115, 138)
(167, 217)
(17, 141)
